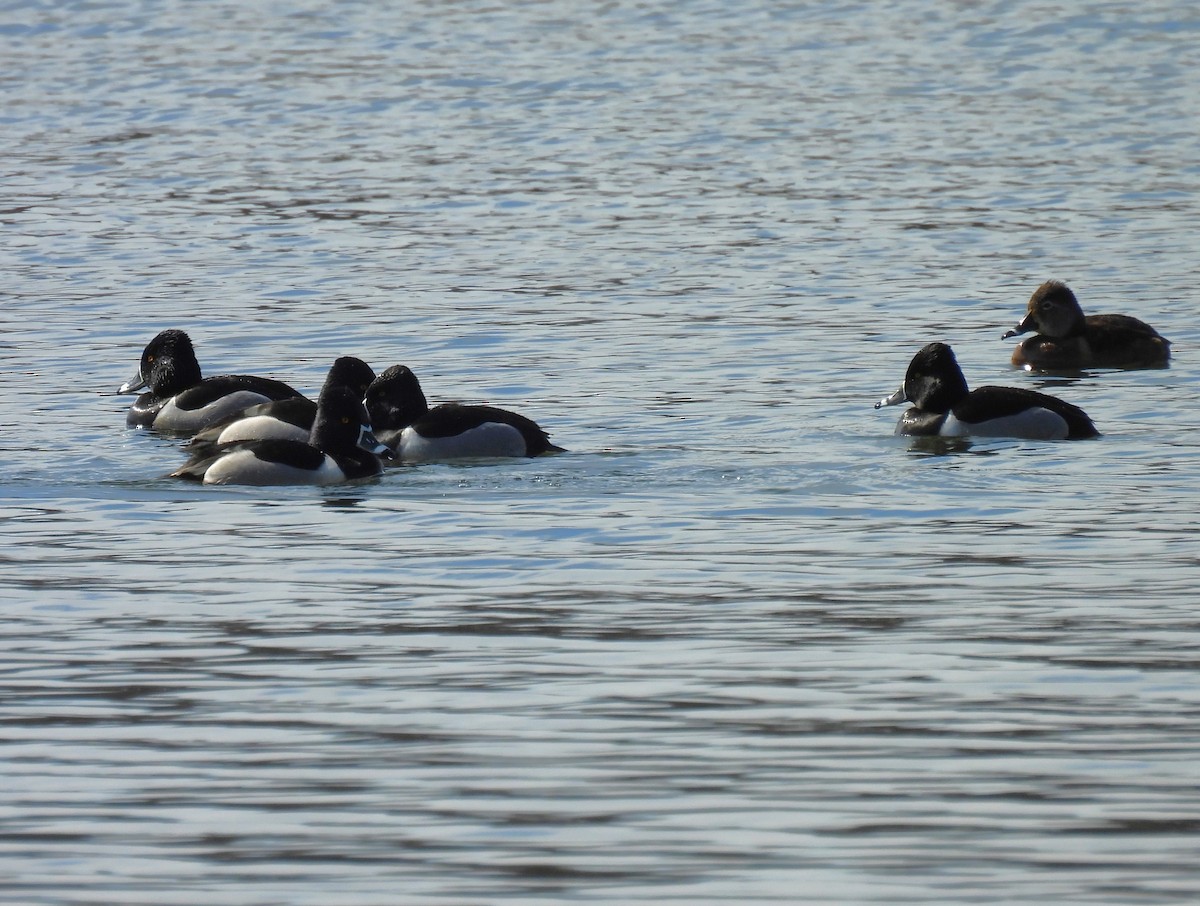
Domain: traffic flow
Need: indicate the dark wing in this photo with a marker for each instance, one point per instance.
(1119, 322)
(985, 403)
(213, 388)
(1116, 340)
(451, 419)
(359, 464)
(295, 410)
(286, 452)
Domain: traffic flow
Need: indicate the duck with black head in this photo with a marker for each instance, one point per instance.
(944, 407)
(1069, 340)
(405, 422)
(290, 419)
(340, 448)
(180, 400)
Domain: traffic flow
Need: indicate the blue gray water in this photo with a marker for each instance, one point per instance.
(740, 644)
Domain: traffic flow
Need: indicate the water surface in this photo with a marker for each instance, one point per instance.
(740, 644)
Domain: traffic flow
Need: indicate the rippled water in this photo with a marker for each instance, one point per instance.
(741, 644)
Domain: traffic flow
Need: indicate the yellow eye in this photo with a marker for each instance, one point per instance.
(149, 360)
(345, 421)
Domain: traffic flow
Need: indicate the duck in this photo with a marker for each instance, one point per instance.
(943, 406)
(179, 399)
(341, 447)
(287, 419)
(404, 421)
(1068, 340)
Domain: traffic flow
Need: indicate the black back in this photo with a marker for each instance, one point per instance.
(452, 419)
(986, 403)
(212, 389)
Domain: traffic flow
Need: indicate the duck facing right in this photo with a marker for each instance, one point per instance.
(403, 420)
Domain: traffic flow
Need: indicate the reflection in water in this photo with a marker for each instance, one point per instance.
(944, 446)
(340, 501)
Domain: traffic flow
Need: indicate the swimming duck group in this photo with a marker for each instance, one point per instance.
(246, 429)
(1066, 340)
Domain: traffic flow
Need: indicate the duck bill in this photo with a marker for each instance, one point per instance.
(134, 384)
(894, 400)
(1027, 324)
(369, 442)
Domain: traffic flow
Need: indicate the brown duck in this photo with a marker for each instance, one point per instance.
(1069, 340)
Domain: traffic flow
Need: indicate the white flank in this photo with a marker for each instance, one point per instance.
(262, 427)
(1032, 424)
(243, 467)
(488, 440)
(172, 418)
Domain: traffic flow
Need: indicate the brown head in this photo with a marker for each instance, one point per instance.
(1053, 311)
